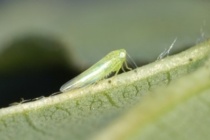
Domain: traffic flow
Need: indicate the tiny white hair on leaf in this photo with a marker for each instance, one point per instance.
(22, 101)
(166, 52)
(202, 33)
(38, 98)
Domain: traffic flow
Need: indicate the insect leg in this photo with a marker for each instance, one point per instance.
(117, 71)
(123, 69)
(126, 66)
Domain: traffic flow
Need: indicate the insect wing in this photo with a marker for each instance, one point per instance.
(110, 63)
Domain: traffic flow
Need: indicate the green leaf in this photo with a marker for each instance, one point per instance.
(180, 111)
(82, 113)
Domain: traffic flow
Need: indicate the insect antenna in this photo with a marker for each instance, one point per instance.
(133, 63)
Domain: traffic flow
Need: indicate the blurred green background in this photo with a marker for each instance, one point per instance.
(45, 43)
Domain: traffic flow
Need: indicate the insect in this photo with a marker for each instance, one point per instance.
(112, 62)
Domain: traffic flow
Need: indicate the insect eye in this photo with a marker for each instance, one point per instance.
(122, 54)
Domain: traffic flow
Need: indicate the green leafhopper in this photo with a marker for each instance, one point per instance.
(112, 62)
